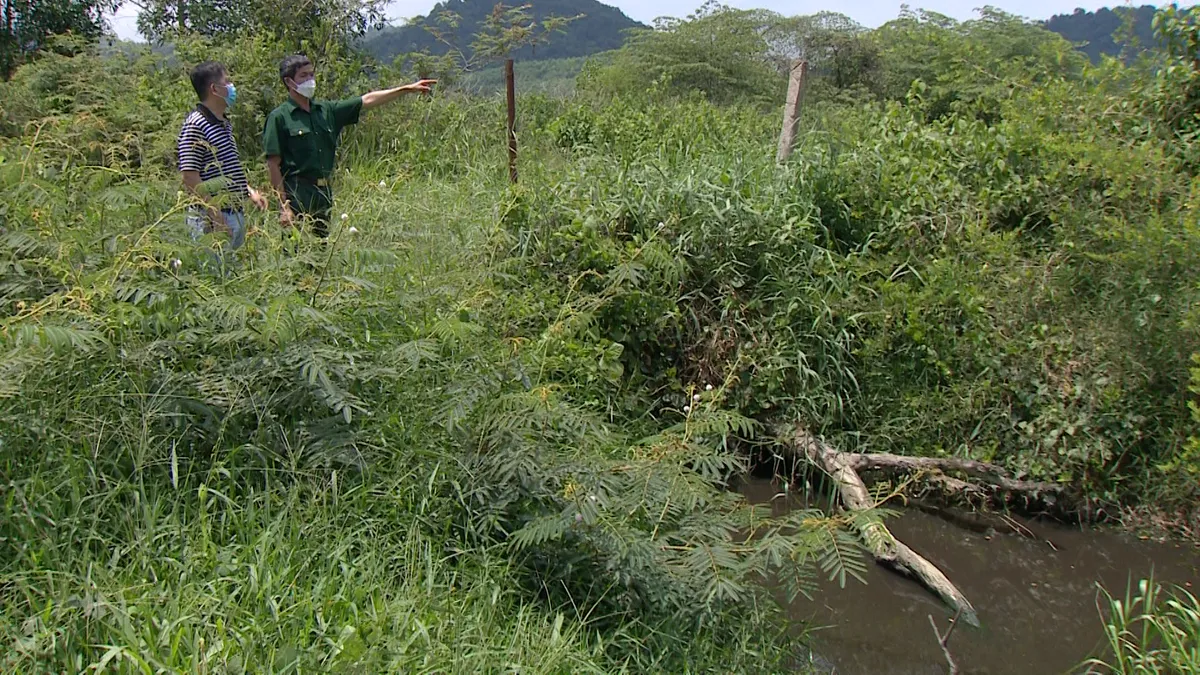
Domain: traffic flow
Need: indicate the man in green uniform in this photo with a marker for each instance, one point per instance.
(301, 136)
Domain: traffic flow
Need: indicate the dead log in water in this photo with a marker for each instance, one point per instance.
(989, 482)
(884, 546)
(994, 477)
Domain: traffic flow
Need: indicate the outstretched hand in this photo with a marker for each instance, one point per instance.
(375, 99)
(422, 86)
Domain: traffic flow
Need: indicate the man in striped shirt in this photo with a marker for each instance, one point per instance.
(208, 159)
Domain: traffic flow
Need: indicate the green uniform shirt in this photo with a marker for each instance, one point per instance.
(306, 142)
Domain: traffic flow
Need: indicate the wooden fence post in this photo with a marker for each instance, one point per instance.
(791, 109)
(510, 85)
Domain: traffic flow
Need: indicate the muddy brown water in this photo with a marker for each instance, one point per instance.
(1037, 603)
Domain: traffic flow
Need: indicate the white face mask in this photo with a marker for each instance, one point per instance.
(307, 88)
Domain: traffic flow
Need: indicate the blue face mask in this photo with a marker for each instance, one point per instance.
(231, 94)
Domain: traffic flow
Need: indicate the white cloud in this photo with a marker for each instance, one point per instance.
(407, 9)
(124, 22)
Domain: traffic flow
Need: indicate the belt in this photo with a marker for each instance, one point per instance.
(319, 182)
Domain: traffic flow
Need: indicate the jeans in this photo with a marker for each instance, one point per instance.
(198, 225)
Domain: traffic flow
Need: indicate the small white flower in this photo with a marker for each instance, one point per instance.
(696, 398)
(345, 216)
(687, 408)
(708, 387)
(383, 183)
(579, 517)
(353, 230)
(592, 497)
(176, 263)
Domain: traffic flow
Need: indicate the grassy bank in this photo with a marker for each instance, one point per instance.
(286, 464)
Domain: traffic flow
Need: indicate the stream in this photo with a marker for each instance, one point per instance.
(1037, 602)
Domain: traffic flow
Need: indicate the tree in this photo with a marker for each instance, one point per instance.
(1175, 95)
(1105, 31)
(159, 19)
(718, 51)
(839, 51)
(505, 31)
(324, 22)
(29, 24)
(971, 62)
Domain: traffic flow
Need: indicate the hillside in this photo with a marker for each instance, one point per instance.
(1096, 28)
(547, 76)
(600, 29)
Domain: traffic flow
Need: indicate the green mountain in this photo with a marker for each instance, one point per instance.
(1097, 28)
(600, 29)
(546, 76)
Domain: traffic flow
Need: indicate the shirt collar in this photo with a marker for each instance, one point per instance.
(293, 107)
(210, 115)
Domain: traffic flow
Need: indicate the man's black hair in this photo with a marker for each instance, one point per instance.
(292, 65)
(205, 75)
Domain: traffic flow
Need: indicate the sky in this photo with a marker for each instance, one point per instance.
(870, 13)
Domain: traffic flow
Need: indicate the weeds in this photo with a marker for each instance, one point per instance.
(1150, 630)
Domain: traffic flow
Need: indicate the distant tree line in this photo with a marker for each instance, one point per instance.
(1106, 31)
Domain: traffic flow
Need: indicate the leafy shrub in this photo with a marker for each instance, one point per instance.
(1009, 289)
(1176, 87)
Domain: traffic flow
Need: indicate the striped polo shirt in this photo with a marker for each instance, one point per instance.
(206, 145)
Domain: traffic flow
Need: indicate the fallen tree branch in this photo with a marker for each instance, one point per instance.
(944, 641)
(990, 473)
(880, 541)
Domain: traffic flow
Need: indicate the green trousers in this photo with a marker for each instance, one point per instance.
(312, 202)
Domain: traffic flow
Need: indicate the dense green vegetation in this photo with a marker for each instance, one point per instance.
(26, 27)
(320, 25)
(495, 427)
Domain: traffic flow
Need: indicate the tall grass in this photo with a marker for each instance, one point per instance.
(205, 574)
(134, 542)
(334, 457)
(1151, 630)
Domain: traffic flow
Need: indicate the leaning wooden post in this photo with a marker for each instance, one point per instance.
(791, 110)
(510, 85)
